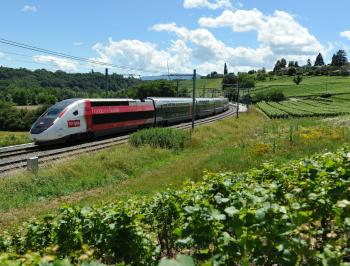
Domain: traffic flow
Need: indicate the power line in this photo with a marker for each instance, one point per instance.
(29, 62)
(67, 56)
(52, 63)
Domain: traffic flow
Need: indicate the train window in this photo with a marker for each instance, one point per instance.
(75, 112)
(121, 117)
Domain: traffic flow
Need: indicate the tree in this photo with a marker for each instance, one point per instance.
(225, 69)
(251, 72)
(298, 79)
(339, 59)
(334, 60)
(283, 63)
(214, 75)
(296, 64)
(261, 76)
(291, 64)
(308, 64)
(277, 66)
(342, 58)
(230, 79)
(162, 88)
(245, 80)
(319, 60)
(291, 71)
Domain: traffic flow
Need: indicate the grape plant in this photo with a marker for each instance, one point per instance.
(305, 108)
(292, 214)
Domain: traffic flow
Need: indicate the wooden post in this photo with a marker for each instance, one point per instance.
(237, 102)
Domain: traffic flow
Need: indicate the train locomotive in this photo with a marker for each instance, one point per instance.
(77, 118)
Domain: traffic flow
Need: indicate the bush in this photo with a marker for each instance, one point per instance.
(297, 79)
(271, 96)
(158, 88)
(13, 119)
(246, 81)
(243, 80)
(167, 138)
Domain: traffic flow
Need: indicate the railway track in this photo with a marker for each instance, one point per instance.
(15, 157)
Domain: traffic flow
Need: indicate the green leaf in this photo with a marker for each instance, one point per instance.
(260, 214)
(181, 260)
(231, 211)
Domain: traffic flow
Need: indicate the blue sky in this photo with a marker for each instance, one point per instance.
(184, 34)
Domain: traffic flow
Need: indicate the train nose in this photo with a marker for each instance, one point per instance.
(38, 137)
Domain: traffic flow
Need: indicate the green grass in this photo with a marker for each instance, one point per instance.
(309, 86)
(203, 87)
(168, 138)
(8, 138)
(29, 107)
(123, 172)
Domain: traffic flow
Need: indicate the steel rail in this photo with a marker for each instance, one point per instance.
(15, 157)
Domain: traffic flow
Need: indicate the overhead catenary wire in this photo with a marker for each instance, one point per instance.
(67, 56)
(44, 63)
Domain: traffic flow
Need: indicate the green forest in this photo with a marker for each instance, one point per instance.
(23, 87)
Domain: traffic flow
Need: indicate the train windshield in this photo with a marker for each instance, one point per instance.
(56, 109)
(47, 118)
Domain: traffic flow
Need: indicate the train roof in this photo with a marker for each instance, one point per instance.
(181, 99)
(170, 99)
(157, 99)
(112, 99)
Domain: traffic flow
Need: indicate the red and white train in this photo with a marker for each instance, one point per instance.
(75, 118)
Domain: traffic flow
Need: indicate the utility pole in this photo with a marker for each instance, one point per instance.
(193, 98)
(237, 101)
(248, 99)
(167, 65)
(177, 88)
(106, 74)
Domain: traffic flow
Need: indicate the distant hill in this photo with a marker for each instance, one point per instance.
(41, 78)
(25, 87)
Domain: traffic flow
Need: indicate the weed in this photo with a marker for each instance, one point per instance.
(168, 138)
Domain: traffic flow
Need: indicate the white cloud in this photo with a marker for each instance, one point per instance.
(59, 63)
(209, 49)
(172, 27)
(78, 43)
(280, 32)
(278, 35)
(345, 34)
(211, 4)
(29, 8)
(2, 55)
(194, 49)
(239, 20)
(144, 56)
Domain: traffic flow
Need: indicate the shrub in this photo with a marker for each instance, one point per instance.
(297, 79)
(13, 119)
(168, 138)
(271, 96)
(292, 214)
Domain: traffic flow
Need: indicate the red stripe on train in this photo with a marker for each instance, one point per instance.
(88, 115)
(120, 109)
(119, 124)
